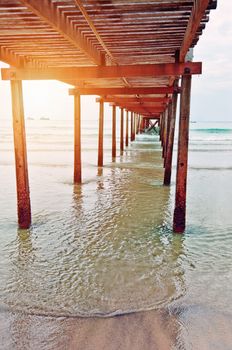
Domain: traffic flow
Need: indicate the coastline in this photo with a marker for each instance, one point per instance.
(192, 327)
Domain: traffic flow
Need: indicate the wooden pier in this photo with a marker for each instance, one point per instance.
(135, 55)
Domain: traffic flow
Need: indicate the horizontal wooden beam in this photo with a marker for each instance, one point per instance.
(124, 91)
(138, 107)
(135, 99)
(103, 72)
(137, 104)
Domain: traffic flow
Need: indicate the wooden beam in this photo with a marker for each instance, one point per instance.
(22, 181)
(198, 12)
(100, 133)
(47, 10)
(103, 72)
(139, 99)
(94, 30)
(113, 132)
(182, 161)
(124, 91)
(77, 139)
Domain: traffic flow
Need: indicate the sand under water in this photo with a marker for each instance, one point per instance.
(100, 268)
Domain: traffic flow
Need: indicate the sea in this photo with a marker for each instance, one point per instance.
(106, 247)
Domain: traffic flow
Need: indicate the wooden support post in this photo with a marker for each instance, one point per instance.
(132, 127)
(100, 133)
(77, 139)
(165, 124)
(182, 161)
(113, 131)
(135, 123)
(169, 115)
(161, 128)
(122, 132)
(169, 153)
(22, 181)
(127, 128)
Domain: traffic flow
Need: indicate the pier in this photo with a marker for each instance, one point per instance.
(134, 55)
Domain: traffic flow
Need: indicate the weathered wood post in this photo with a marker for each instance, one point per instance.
(169, 153)
(113, 131)
(165, 124)
(22, 181)
(77, 138)
(135, 124)
(182, 160)
(169, 115)
(122, 132)
(100, 133)
(127, 128)
(132, 126)
(162, 128)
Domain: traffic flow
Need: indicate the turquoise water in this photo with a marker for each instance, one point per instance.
(106, 247)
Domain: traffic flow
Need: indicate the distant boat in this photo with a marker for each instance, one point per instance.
(30, 118)
(193, 122)
(44, 118)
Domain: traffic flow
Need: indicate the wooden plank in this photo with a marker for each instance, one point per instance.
(198, 12)
(77, 139)
(46, 10)
(100, 133)
(22, 181)
(113, 132)
(182, 161)
(103, 72)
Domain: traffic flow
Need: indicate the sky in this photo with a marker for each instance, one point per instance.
(211, 91)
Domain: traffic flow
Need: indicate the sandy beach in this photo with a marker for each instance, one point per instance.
(189, 328)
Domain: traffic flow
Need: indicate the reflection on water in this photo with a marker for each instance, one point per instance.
(109, 252)
(106, 247)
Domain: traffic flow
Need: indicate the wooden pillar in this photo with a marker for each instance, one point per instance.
(113, 132)
(77, 139)
(162, 128)
(165, 123)
(135, 124)
(132, 126)
(22, 181)
(127, 128)
(169, 115)
(100, 133)
(122, 132)
(182, 161)
(169, 153)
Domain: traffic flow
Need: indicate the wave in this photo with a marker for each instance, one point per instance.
(213, 130)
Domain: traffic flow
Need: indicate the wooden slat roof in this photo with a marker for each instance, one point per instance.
(75, 33)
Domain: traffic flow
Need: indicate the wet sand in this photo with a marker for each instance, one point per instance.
(188, 328)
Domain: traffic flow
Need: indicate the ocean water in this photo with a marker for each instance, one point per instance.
(106, 247)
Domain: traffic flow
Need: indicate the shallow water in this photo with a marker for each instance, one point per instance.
(106, 247)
